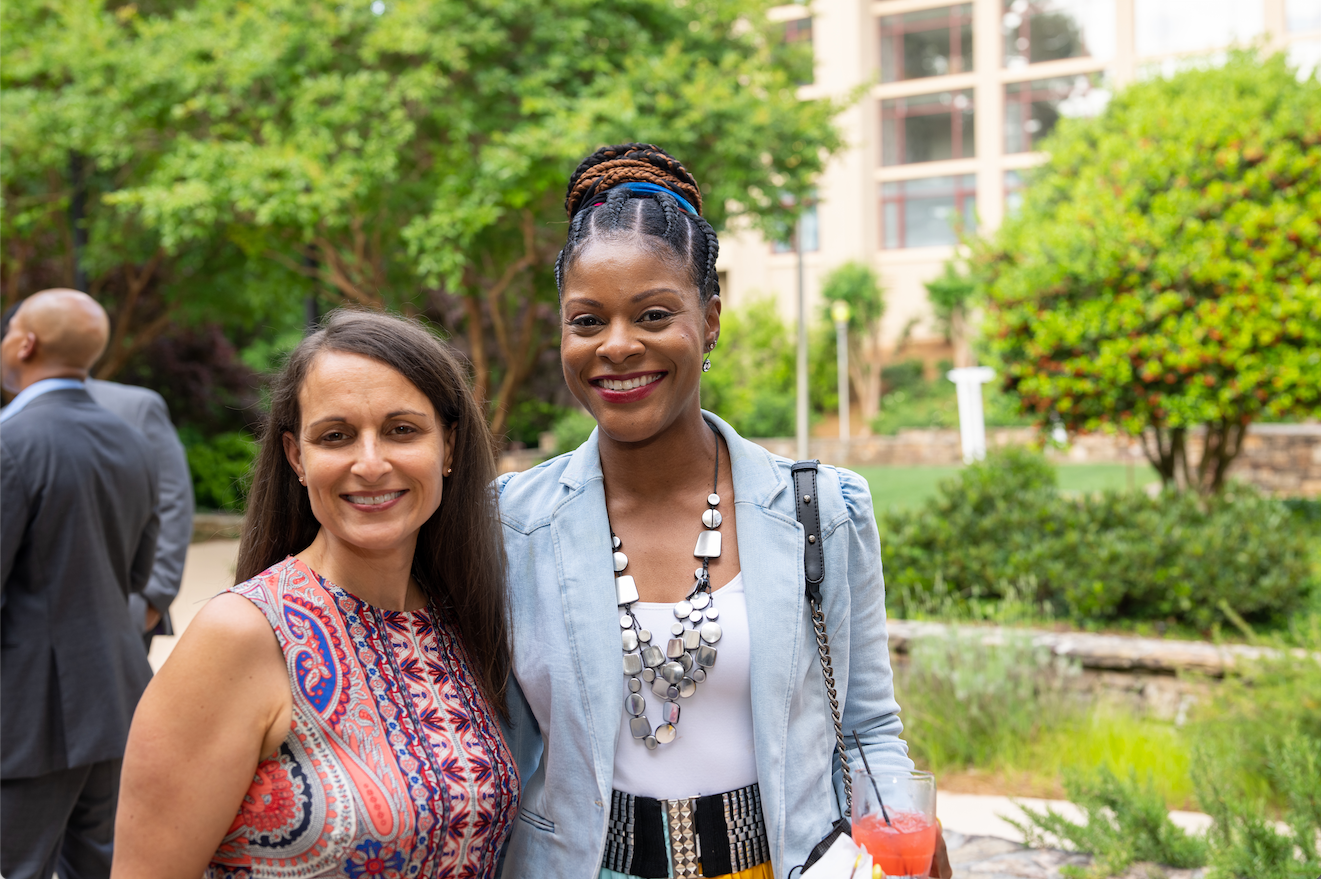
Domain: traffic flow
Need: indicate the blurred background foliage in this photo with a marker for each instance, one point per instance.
(1164, 272)
(1002, 535)
(209, 167)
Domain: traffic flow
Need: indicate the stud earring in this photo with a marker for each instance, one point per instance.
(302, 480)
(449, 470)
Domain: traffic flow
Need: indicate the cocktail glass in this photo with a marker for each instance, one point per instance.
(902, 838)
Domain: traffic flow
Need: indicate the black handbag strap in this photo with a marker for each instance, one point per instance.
(807, 506)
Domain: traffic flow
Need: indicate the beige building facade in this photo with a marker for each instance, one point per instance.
(956, 96)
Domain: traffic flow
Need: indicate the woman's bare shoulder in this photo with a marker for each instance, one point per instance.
(228, 632)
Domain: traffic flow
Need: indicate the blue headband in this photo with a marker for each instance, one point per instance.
(650, 189)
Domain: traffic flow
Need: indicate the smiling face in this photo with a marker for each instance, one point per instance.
(634, 334)
(372, 452)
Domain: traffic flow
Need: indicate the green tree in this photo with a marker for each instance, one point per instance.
(409, 154)
(858, 285)
(1164, 275)
(951, 294)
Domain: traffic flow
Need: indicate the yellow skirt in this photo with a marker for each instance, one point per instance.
(761, 871)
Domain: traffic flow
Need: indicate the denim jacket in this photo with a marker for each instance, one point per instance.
(568, 695)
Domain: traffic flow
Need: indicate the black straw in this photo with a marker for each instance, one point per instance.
(872, 779)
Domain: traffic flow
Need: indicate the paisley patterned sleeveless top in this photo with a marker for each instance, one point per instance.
(394, 766)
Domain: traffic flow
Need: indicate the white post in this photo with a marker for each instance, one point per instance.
(802, 347)
(968, 383)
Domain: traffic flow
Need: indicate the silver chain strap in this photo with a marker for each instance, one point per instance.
(827, 671)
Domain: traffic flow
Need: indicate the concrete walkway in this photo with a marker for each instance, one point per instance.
(982, 844)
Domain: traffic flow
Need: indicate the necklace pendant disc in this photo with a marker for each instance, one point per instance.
(648, 674)
(672, 672)
(636, 705)
(650, 742)
(686, 660)
(634, 685)
(615, 542)
(626, 590)
(695, 616)
(665, 733)
(632, 664)
(711, 632)
(674, 648)
(713, 499)
(682, 608)
(700, 600)
(687, 687)
(621, 562)
(652, 656)
(629, 639)
(670, 712)
(708, 545)
(640, 727)
(712, 613)
(699, 675)
(711, 518)
(692, 639)
(705, 656)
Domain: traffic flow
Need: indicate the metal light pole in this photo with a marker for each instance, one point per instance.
(802, 345)
(839, 311)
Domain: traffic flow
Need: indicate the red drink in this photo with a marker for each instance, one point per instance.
(902, 848)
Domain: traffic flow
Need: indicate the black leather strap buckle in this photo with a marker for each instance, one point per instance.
(807, 507)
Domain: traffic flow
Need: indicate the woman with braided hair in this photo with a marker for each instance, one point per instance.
(683, 765)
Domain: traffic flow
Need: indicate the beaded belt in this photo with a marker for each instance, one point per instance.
(700, 836)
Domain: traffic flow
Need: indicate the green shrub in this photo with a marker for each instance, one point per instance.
(1126, 822)
(529, 418)
(1004, 695)
(911, 402)
(902, 376)
(221, 466)
(752, 382)
(572, 430)
(1002, 528)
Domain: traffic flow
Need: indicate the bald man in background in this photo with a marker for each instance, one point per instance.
(78, 491)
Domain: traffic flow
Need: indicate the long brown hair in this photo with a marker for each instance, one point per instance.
(460, 562)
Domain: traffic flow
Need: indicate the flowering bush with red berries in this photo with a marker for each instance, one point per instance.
(1163, 277)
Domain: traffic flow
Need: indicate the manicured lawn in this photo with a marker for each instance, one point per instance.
(905, 487)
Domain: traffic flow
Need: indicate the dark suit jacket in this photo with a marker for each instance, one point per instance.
(145, 410)
(77, 536)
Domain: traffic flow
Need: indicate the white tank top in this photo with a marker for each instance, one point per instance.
(712, 751)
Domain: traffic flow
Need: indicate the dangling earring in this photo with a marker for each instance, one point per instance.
(706, 363)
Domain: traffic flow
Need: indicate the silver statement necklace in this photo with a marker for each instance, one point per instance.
(674, 672)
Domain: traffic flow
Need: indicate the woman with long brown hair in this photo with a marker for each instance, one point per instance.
(335, 712)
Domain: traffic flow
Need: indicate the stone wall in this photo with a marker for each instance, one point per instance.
(1279, 458)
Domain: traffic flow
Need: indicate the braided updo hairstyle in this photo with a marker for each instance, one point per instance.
(598, 209)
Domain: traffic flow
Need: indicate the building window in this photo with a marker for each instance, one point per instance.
(799, 31)
(1032, 108)
(1303, 15)
(1166, 26)
(1305, 55)
(810, 227)
(1048, 30)
(932, 42)
(927, 128)
(928, 212)
(1014, 185)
